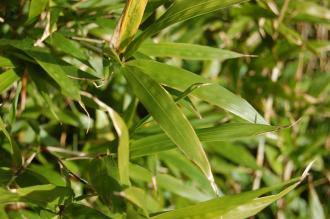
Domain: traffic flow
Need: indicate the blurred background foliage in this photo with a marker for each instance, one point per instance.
(65, 141)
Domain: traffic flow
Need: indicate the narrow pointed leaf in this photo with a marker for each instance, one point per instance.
(187, 51)
(180, 79)
(123, 135)
(179, 11)
(164, 110)
(123, 147)
(256, 205)
(231, 205)
(128, 24)
(226, 132)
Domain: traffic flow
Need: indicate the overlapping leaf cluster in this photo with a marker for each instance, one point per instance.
(164, 109)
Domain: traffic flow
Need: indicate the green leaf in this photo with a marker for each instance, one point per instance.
(310, 11)
(164, 110)
(181, 188)
(226, 132)
(187, 51)
(122, 132)
(36, 8)
(55, 70)
(137, 196)
(7, 78)
(128, 24)
(242, 205)
(254, 206)
(103, 176)
(236, 153)
(15, 151)
(79, 211)
(315, 205)
(123, 147)
(180, 11)
(5, 62)
(5, 175)
(42, 195)
(174, 159)
(60, 42)
(181, 79)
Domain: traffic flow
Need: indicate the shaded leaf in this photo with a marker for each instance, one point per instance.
(82, 212)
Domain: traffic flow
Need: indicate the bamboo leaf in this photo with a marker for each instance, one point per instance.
(79, 211)
(55, 70)
(215, 94)
(137, 196)
(187, 51)
(60, 42)
(164, 110)
(128, 24)
(226, 132)
(315, 205)
(235, 206)
(15, 151)
(122, 132)
(180, 188)
(179, 11)
(42, 195)
(7, 78)
(36, 8)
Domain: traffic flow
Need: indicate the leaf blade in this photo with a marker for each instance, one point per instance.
(215, 94)
(187, 51)
(164, 110)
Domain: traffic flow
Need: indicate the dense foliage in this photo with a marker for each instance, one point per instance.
(164, 109)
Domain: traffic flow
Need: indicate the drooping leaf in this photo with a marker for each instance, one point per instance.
(164, 110)
(215, 94)
(123, 146)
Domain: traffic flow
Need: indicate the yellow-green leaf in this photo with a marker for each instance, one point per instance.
(128, 24)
